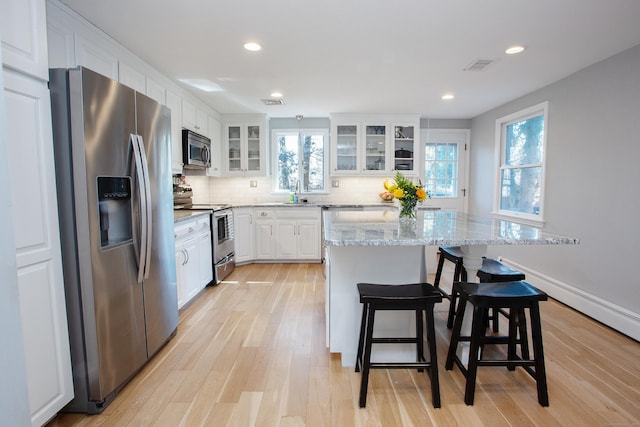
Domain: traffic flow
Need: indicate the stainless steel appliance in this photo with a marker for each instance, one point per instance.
(223, 243)
(113, 172)
(196, 150)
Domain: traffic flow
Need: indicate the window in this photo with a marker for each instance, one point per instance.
(441, 169)
(445, 159)
(520, 145)
(300, 161)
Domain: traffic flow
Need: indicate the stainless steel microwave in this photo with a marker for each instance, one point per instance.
(196, 150)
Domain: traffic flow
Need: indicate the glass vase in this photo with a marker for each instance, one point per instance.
(408, 210)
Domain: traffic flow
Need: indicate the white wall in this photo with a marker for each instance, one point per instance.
(592, 189)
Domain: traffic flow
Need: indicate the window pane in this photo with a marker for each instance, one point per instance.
(313, 163)
(520, 190)
(441, 169)
(287, 162)
(524, 142)
(300, 161)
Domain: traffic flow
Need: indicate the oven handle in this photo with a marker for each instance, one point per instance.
(226, 260)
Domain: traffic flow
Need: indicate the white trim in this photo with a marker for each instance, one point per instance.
(612, 315)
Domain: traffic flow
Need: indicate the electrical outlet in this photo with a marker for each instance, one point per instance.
(335, 183)
(253, 183)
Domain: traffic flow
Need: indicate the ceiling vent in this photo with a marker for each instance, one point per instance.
(273, 101)
(479, 65)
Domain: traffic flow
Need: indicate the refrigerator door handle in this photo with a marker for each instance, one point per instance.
(139, 171)
(147, 185)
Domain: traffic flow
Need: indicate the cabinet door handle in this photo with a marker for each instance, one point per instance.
(250, 219)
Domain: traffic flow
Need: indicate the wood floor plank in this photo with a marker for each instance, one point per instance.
(252, 352)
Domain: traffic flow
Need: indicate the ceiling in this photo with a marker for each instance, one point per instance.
(367, 56)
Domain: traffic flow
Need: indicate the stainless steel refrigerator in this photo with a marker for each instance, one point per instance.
(114, 185)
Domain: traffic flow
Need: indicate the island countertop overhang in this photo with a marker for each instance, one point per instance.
(430, 228)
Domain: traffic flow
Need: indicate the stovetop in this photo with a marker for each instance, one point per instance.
(203, 206)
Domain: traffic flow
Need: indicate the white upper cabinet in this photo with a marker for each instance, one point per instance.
(156, 91)
(215, 133)
(373, 144)
(194, 118)
(131, 77)
(174, 102)
(91, 56)
(24, 41)
(245, 145)
(405, 147)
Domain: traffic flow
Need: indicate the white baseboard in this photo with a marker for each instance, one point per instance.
(612, 315)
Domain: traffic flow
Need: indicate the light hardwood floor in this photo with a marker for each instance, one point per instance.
(251, 352)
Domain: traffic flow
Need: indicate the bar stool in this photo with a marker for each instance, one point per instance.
(420, 298)
(492, 271)
(453, 254)
(515, 296)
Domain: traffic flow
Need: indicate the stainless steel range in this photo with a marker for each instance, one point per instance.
(222, 233)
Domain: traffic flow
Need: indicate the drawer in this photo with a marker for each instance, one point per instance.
(265, 213)
(185, 229)
(204, 223)
(298, 213)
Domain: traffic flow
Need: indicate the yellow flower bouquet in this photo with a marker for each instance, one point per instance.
(407, 192)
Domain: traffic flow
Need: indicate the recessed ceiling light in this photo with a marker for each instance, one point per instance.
(514, 49)
(448, 96)
(253, 47)
(276, 95)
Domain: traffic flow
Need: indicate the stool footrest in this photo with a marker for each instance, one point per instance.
(516, 362)
(399, 365)
(393, 340)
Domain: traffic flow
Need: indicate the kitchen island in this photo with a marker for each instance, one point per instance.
(375, 247)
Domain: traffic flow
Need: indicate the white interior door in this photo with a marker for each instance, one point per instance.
(444, 174)
(444, 169)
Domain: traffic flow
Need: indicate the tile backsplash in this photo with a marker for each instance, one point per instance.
(238, 191)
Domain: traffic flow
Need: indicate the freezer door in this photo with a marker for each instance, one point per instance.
(102, 118)
(160, 290)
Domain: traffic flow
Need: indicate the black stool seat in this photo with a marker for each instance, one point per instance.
(517, 297)
(495, 271)
(491, 271)
(419, 297)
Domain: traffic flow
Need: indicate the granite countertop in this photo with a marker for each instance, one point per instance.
(185, 214)
(431, 227)
(328, 205)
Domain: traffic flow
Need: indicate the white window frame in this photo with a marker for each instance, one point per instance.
(325, 159)
(500, 145)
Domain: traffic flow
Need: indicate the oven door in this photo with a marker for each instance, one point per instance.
(223, 245)
(224, 267)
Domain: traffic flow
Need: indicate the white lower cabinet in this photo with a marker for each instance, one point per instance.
(243, 234)
(288, 234)
(204, 253)
(194, 266)
(264, 233)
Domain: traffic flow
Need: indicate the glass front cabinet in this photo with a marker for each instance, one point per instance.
(244, 147)
(374, 144)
